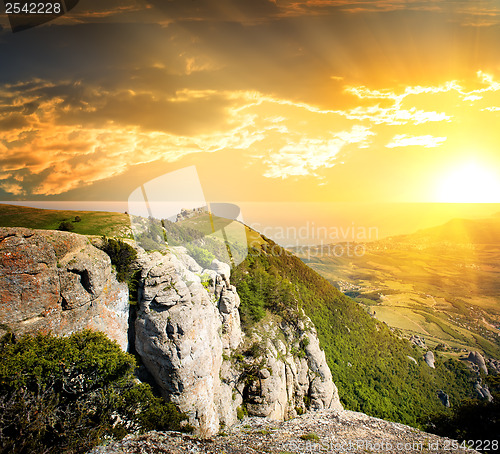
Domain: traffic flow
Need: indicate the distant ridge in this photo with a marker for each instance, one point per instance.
(481, 231)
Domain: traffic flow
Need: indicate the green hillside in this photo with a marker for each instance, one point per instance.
(369, 364)
(91, 222)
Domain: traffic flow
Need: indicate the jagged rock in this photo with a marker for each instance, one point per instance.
(187, 326)
(290, 377)
(58, 282)
(429, 359)
(177, 337)
(445, 399)
(417, 340)
(483, 391)
(221, 268)
(494, 365)
(477, 359)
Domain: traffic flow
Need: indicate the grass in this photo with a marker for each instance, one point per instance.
(92, 222)
(310, 437)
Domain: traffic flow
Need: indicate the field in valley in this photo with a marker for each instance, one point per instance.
(441, 284)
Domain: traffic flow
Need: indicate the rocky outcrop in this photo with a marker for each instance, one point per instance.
(186, 329)
(412, 359)
(483, 391)
(324, 431)
(494, 365)
(58, 282)
(178, 329)
(444, 398)
(290, 370)
(417, 340)
(477, 359)
(429, 359)
(189, 336)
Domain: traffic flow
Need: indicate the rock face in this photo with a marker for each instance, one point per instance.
(494, 364)
(444, 398)
(429, 359)
(292, 374)
(189, 336)
(58, 282)
(178, 329)
(187, 327)
(483, 391)
(477, 359)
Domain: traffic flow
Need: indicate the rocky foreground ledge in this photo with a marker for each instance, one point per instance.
(325, 431)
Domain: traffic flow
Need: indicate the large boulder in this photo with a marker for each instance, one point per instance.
(477, 359)
(293, 375)
(57, 282)
(429, 359)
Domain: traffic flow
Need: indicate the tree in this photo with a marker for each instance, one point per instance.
(66, 226)
(78, 218)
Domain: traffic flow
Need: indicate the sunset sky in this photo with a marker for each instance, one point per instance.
(275, 101)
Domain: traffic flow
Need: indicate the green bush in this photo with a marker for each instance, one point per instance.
(66, 226)
(202, 256)
(122, 256)
(310, 437)
(64, 395)
(241, 412)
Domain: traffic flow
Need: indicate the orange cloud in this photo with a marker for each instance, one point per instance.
(59, 141)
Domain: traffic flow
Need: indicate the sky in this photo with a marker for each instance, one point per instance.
(313, 101)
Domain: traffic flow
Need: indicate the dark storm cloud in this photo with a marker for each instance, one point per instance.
(220, 10)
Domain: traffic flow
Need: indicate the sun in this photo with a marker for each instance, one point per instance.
(469, 183)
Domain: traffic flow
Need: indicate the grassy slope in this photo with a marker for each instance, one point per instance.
(92, 222)
(369, 364)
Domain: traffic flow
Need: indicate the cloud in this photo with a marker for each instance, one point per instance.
(404, 140)
(64, 136)
(306, 155)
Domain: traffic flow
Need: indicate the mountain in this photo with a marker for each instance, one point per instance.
(184, 325)
(458, 231)
(269, 337)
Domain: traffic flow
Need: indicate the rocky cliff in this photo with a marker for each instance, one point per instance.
(186, 327)
(58, 282)
(189, 336)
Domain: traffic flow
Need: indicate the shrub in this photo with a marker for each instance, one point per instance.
(202, 256)
(64, 395)
(66, 226)
(78, 218)
(122, 257)
(241, 412)
(310, 437)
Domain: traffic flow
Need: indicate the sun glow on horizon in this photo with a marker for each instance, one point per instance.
(469, 183)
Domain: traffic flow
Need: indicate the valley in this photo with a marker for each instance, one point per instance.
(442, 284)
